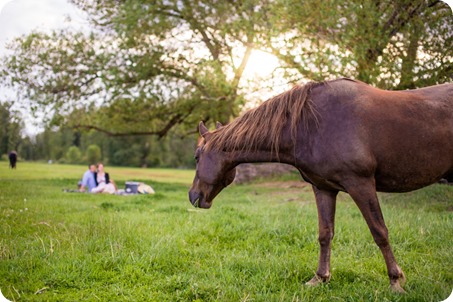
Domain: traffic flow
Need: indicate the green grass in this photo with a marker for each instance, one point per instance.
(257, 243)
(39, 171)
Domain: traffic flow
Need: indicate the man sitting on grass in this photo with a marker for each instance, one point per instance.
(88, 182)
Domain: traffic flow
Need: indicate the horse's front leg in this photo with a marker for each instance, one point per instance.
(325, 202)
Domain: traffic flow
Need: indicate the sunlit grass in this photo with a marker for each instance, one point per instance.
(31, 170)
(257, 243)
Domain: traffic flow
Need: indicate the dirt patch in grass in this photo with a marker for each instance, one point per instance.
(287, 191)
(292, 184)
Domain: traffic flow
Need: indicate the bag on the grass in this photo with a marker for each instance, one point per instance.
(145, 189)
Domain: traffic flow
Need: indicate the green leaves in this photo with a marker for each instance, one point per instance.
(185, 59)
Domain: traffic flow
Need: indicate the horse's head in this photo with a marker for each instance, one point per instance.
(214, 172)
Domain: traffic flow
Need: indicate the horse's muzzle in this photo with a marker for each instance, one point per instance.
(194, 197)
(198, 200)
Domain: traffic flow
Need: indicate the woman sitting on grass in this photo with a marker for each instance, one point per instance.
(103, 182)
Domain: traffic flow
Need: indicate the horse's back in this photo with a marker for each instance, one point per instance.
(405, 138)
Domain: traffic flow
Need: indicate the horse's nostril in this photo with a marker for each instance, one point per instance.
(194, 198)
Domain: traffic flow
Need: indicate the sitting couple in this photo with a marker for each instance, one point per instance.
(97, 181)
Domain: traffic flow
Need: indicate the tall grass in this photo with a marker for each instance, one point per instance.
(257, 243)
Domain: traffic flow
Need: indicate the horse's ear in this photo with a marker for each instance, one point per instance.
(202, 129)
(218, 125)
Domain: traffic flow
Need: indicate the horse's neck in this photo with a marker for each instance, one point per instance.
(240, 157)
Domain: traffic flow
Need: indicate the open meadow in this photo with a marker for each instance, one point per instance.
(257, 243)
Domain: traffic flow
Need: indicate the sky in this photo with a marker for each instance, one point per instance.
(19, 17)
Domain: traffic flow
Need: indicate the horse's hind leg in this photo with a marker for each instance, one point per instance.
(325, 202)
(363, 191)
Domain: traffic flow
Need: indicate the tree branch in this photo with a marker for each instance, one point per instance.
(291, 62)
(240, 70)
(178, 118)
(210, 43)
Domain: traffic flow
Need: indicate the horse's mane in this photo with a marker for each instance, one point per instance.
(262, 126)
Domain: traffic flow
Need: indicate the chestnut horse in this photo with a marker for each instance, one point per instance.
(342, 135)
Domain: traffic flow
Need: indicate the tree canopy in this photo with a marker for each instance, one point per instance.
(149, 67)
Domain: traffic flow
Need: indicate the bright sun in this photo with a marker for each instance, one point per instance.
(262, 78)
(260, 64)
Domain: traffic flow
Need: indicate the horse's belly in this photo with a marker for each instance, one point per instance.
(400, 185)
(409, 159)
(406, 176)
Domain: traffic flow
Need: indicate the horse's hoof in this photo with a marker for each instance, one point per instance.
(396, 288)
(316, 280)
(397, 285)
(402, 279)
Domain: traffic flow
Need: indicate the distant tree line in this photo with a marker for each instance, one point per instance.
(68, 145)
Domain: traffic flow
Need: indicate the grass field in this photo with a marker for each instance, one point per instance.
(257, 243)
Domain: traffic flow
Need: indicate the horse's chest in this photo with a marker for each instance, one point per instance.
(323, 183)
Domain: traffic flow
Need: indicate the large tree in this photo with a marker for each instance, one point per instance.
(391, 44)
(149, 66)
